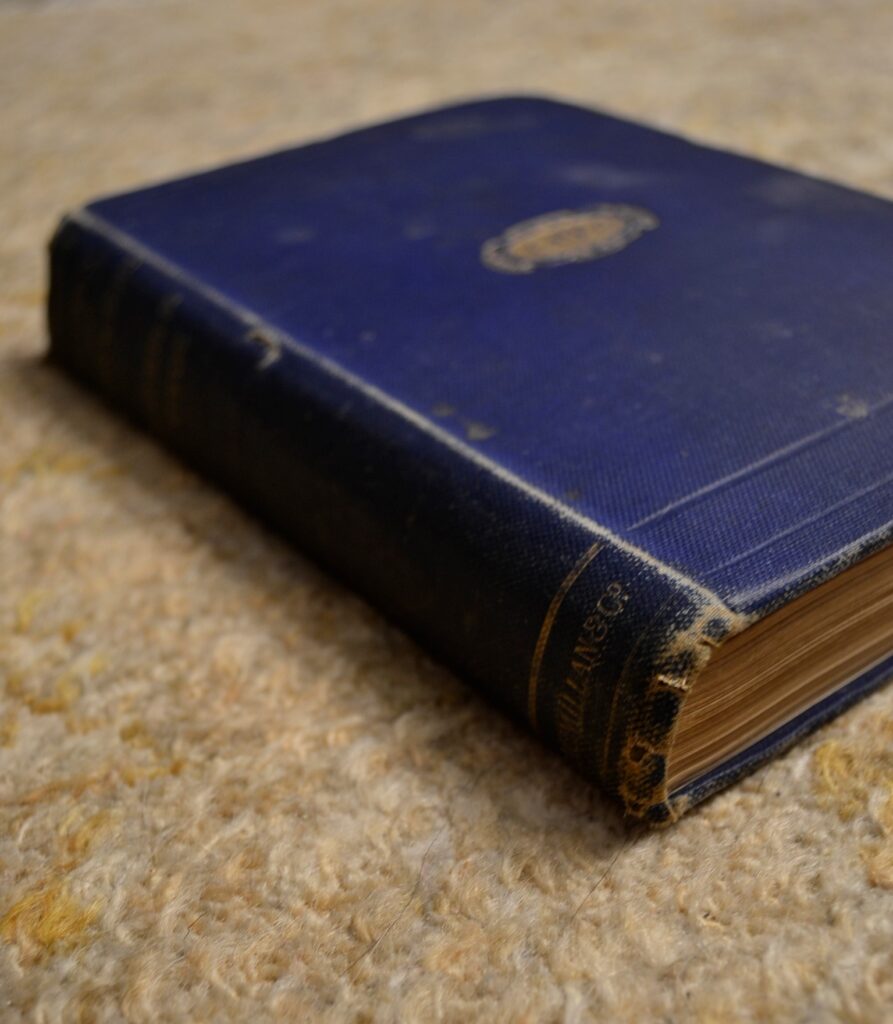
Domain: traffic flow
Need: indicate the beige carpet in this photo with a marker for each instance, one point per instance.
(228, 789)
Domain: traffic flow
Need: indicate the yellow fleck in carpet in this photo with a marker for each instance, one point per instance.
(228, 789)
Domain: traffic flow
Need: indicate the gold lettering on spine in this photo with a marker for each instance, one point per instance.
(546, 628)
(585, 661)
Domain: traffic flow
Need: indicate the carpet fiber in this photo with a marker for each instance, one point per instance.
(228, 789)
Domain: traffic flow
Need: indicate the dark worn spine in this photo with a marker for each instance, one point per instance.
(588, 639)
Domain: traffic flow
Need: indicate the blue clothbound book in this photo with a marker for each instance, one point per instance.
(602, 417)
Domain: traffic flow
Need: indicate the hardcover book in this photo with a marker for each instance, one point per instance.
(602, 417)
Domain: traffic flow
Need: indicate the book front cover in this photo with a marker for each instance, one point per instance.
(685, 346)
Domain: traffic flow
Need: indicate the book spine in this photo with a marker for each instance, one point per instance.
(586, 638)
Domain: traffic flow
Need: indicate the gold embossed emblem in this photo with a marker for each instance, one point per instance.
(566, 236)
